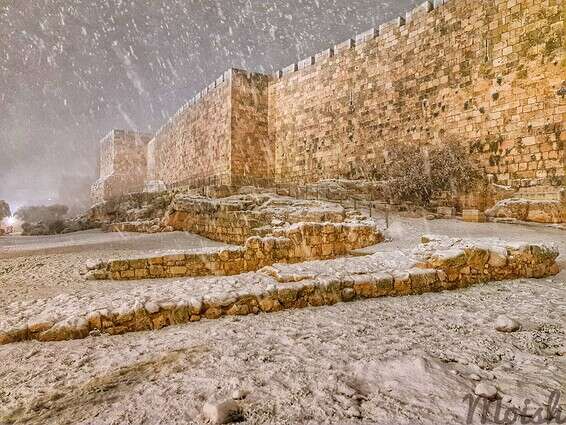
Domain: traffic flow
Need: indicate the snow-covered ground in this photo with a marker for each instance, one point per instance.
(390, 360)
(33, 267)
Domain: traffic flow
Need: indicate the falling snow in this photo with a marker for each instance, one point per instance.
(72, 70)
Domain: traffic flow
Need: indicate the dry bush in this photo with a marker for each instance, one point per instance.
(42, 220)
(4, 210)
(418, 175)
(42, 213)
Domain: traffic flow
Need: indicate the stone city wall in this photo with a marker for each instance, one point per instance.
(218, 137)
(292, 244)
(122, 165)
(490, 73)
(195, 144)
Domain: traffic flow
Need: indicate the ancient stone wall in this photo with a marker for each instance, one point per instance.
(194, 146)
(490, 73)
(290, 244)
(122, 165)
(487, 73)
(218, 137)
(252, 155)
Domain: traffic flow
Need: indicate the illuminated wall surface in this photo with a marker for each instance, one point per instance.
(488, 73)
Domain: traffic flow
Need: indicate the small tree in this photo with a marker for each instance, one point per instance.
(4, 210)
(417, 175)
(42, 213)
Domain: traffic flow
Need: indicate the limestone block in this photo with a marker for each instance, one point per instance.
(343, 46)
(391, 25)
(305, 63)
(446, 212)
(423, 280)
(477, 257)
(449, 258)
(497, 256)
(473, 216)
(402, 282)
(325, 54)
(366, 36)
(290, 69)
(420, 10)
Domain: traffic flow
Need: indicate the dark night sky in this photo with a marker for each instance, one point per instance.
(71, 70)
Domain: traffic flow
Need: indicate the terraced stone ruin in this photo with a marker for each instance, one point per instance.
(439, 264)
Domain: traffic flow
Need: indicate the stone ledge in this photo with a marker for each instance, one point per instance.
(537, 211)
(289, 244)
(234, 219)
(457, 264)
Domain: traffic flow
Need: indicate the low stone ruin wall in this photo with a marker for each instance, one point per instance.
(290, 244)
(464, 263)
(232, 227)
(538, 211)
(236, 218)
(438, 265)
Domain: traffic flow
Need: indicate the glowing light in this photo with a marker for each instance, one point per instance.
(11, 221)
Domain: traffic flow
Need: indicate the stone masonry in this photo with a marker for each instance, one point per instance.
(219, 137)
(290, 244)
(440, 264)
(122, 165)
(489, 73)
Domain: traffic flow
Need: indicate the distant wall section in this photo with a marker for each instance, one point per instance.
(122, 165)
(194, 146)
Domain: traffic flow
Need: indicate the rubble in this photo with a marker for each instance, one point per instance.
(504, 323)
(222, 412)
(486, 390)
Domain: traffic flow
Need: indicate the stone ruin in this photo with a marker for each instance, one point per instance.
(287, 244)
(438, 264)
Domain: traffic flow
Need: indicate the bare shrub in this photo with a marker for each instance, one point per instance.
(4, 210)
(42, 220)
(418, 175)
(42, 213)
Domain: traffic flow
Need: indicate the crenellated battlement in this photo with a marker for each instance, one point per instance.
(359, 39)
(420, 10)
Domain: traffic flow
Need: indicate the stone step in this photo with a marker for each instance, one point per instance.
(439, 264)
